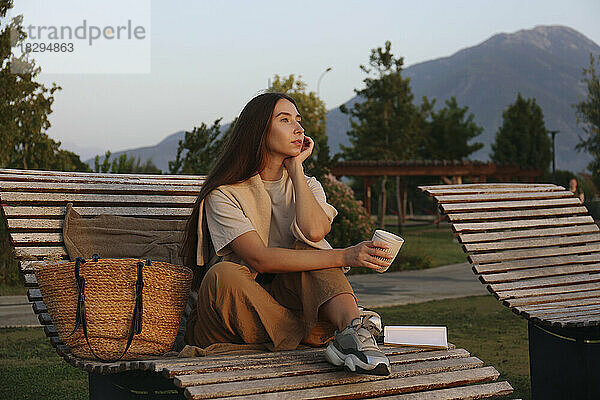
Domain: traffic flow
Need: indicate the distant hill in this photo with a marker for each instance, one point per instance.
(160, 154)
(544, 62)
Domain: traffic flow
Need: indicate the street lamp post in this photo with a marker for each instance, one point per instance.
(553, 133)
(321, 77)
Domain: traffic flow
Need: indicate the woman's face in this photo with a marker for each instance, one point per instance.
(286, 135)
(573, 184)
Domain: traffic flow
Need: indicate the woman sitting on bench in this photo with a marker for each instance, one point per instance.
(257, 231)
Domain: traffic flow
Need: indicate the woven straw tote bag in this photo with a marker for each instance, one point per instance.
(113, 309)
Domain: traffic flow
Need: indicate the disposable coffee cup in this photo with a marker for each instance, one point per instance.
(393, 241)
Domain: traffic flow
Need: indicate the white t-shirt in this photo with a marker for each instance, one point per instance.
(226, 221)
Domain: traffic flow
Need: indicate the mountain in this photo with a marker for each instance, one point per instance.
(160, 154)
(544, 62)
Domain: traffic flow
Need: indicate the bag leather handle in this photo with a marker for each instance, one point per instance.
(136, 319)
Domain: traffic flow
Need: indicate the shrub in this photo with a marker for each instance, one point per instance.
(352, 225)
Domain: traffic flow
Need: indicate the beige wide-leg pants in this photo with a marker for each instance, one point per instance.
(234, 308)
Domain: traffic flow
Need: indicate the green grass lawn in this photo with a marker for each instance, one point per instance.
(429, 241)
(12, 290)
(31, 369)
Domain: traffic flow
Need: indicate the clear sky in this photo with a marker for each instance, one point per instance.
(208, 58)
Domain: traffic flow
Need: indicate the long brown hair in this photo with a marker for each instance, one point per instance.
(242, 157)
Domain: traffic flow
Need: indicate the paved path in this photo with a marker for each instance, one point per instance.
(16, 311)
(406, 287)
(377, 290)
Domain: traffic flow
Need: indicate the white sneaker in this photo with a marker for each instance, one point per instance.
(356, 349)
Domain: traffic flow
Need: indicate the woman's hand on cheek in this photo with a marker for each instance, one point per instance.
(296, 161)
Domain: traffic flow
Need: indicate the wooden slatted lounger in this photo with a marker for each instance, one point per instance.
(538, 251)
(33, 205)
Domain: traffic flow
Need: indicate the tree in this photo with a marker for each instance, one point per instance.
(385, 124)
(24, 107)
(314, 115)
(522, 139)
(449, 132)
(125, 165)
(588, 116)
(200, 148)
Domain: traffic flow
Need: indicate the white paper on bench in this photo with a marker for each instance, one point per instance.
(434, 336)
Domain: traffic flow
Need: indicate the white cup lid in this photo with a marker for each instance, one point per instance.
(388, 235)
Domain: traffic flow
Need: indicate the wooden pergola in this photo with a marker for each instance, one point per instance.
(450, 171)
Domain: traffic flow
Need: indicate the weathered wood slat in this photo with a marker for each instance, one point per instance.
(491, 215)
(99, 367)
(465, 198)
(79, 363)
(62, 350)
(303, 382)
(564, 324)
(34, 295)
(101, 180)
(558, 312)
(78, 198)
(576, 322)
(39, 307)
(509, 205)
(526, 233)
(280, 359)
(36, 238)
(104, 188)
(21, 224)
(60, 211)
(445, 191)
(472, 392)
(34, 172)
(111, 369)
(428, 188)
(572, 313)
(40, 252)
(525, 293)
(522, 223)
(30, 175)
(70, 358)
(50, 330)
(267, 372)
(30, 281)
(563, 305)
(532, 253)
(555, 281)
(538, 273)
(224, 362)
(591, 321)
(29, 239)
(532, 243)
(536, 262)
(28, 267)
(551, 298)
(378, 387)
(580, 316)
(45, 319)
